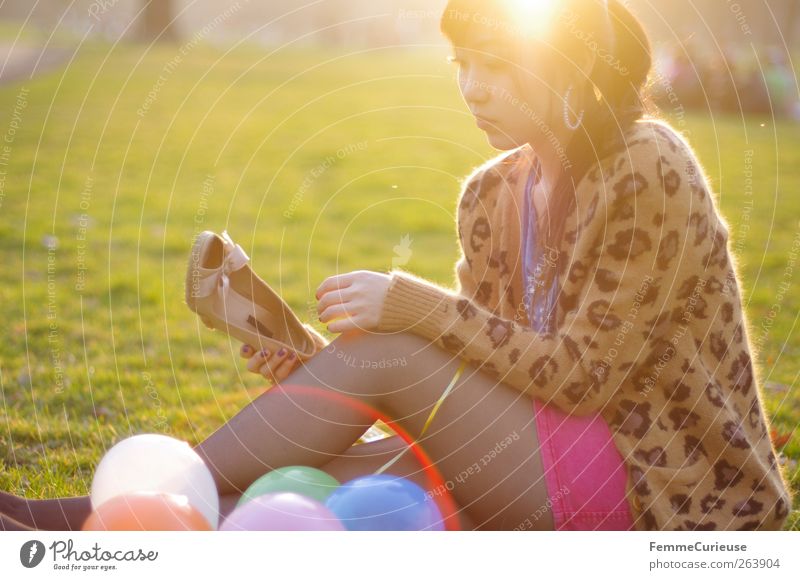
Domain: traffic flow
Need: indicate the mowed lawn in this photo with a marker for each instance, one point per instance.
(317, 164)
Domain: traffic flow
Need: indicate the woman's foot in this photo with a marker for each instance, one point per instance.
(9, 502)
(10, 525)
(46, 514)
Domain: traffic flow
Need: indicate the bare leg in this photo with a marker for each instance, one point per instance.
(46, 514)
(8, 524)
(291, 426)
(309, 419)
(365, 459)
(359, 460)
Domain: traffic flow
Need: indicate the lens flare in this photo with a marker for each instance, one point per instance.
(532, 18)
(440, 492)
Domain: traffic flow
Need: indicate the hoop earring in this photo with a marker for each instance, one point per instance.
(567, 110)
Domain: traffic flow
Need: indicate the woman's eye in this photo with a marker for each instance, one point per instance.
(496, 65)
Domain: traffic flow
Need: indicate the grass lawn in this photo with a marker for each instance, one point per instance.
(317, 164)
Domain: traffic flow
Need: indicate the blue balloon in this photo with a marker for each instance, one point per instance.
(384, 503)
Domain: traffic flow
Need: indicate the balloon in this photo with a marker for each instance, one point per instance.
(282, 511)
(306, 481)
(159, 464)
(146, 512)
(384, 502)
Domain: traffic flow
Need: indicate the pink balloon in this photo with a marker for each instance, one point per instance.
(282, 511)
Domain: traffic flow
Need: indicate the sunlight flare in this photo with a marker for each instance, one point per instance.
(532, 18)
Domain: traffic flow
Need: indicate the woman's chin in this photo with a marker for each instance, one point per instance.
(501, 142)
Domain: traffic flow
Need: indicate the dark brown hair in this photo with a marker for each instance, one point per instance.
(620, 75)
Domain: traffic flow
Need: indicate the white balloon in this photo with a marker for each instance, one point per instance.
(156, 463)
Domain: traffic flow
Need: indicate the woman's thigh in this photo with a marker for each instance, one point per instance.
(367, 458)
(483, 439)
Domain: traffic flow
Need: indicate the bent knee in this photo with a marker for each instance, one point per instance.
(379, 348)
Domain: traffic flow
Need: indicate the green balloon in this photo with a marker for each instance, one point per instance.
(306, 481)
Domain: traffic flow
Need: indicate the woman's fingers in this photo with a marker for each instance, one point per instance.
(280, 367)
(336, 311)
(334, 297)
(247, 351)
(335, 283)
(273, 366)
(346, 325)
(257, 360)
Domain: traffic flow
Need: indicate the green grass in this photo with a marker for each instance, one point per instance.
(232, 141)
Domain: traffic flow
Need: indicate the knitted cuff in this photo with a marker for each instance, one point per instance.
(415, 305)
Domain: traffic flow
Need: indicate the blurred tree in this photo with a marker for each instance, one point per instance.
(157, 23)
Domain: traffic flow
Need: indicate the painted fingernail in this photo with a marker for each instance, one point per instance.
(246, 349)
(282, 352)
(265, 353)
(292, 355)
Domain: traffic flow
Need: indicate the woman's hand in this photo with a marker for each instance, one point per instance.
(353, 301)
(273, 366)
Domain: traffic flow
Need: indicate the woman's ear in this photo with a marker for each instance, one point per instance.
(577, 73)
(585, 66)
(580, 77)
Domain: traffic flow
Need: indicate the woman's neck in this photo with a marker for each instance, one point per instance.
(550, 169)
(552, 155)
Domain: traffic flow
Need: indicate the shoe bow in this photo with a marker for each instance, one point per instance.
(233, 258)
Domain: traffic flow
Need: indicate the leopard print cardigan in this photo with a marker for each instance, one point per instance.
(651, 332)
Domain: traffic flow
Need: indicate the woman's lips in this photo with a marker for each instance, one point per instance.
(485, 123)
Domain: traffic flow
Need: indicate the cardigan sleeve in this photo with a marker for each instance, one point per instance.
(628, 255)
(464, 276)
(465, 284)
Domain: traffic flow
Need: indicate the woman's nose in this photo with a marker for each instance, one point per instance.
(474, 90)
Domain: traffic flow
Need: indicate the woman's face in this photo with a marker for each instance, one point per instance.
(487, 77)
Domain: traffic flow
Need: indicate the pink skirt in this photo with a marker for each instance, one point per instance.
(584, 472)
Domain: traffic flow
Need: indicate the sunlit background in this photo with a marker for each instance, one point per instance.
(326, 136)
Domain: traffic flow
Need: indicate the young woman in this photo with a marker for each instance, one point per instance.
(598, 308)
